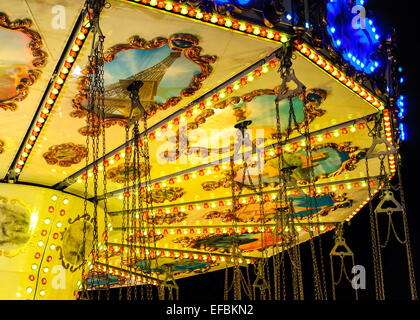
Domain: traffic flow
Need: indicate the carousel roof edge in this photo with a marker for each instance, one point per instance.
(254, 23)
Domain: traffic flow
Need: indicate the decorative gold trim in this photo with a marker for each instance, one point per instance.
(40, 60)
(192, 53)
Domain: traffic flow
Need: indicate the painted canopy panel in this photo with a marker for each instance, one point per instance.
(210, 129)
(167, 53)
(30, 49)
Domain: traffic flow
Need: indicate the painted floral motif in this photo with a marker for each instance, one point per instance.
(328, 160)
(1, 146)
(15, 222)
(117, 174)
(320, 205)
(176, 265)
(257, 106)
(97, 279)
(19, 67)
(220, 242)
(72, 247)
(65, 154)
(170, 69)
(167, 194)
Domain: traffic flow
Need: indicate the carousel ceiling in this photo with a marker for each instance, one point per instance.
(199, 79)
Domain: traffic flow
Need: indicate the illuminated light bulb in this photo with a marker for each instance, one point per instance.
(28, 146)
(45, 111)
(40, 243)
(37, 129)
(59, 224)
(319, 139)
(242, 27)
(214, 19)
(236, 87)
(69, 60)
(111, 161)
(222, 95)
(352, 129)
(21, 162)
(52, 247)
(28, 290)
(54, 198)
(336, 134)
(228, 23)
(169, 6)
(153, 2)
(284, 39)
(120, 197)
(250, 78)
(199, 15)
(90, 174)
(208, 103)
(34, 266)
(122, 154)
(75, 48)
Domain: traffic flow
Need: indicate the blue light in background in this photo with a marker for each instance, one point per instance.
(401, 104)
(402, 132)
(241, 2)
(357, 44)
(244, 2)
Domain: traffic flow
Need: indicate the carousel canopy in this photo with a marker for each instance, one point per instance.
(203, 70)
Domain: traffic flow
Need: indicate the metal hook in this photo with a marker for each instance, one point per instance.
(388, 196)
(289, 93)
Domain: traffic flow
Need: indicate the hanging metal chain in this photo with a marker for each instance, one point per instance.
(150, 227)
(387, 196)
(347, 252)
(239, 283)
(95, 110)
(320, 289)
(373, 219)
(413, 287)
(126, 202)
(284, 206)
